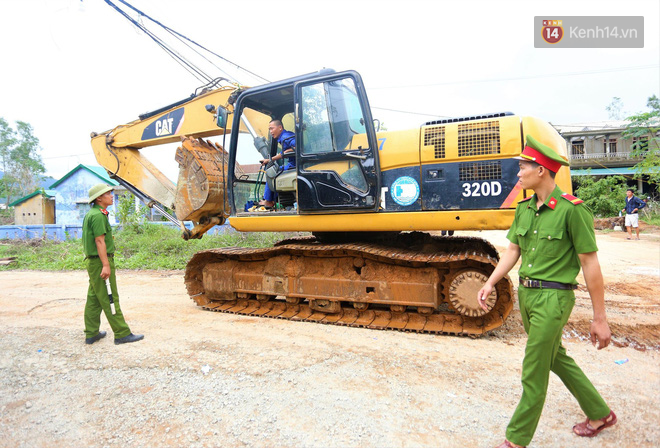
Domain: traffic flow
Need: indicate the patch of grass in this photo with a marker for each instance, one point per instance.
(147, 247)
(43, 254)
(651, 213)
(653, 220)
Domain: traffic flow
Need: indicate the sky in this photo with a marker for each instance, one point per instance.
(70, 67)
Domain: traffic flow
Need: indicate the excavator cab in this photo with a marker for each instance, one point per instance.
(336, 155)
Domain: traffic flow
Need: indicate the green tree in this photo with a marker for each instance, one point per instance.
(644, 128)
(605, 196)
(129, 215)
(615, 109)
(20, 159)
(7, 141)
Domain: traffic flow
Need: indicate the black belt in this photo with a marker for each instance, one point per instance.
(96, 256)
(530, 283)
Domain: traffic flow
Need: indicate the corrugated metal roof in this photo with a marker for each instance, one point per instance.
(96, 170)
(603, 171)
(47, 193)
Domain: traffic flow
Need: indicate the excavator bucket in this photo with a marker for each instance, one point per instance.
(201, 196)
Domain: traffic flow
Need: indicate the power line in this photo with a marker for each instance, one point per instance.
(186, 63)
(410, 112)
(176, 35)
(518, 78)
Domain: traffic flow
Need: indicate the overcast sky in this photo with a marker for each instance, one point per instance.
(70, 67)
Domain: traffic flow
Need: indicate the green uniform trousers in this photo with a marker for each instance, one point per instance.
(544, 314)
(98, 300)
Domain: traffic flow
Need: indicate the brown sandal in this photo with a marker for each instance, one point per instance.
(584, 429)
(507, 444)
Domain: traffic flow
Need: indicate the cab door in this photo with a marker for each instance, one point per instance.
(337, 163)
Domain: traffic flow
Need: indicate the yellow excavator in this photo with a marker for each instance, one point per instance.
(369, 198)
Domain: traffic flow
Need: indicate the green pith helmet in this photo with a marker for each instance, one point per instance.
(97, 190)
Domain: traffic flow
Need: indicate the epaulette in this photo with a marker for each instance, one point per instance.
(527, 198)
(572, 199)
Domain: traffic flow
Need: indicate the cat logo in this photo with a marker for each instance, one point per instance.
(168, 124)
(164, 126)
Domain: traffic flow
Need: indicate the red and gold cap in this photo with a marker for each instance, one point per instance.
(542, 154)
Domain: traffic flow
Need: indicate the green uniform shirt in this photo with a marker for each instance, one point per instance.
(551, 236)
(96, 224)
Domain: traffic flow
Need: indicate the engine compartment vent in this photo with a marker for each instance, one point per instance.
(469, 118)
(480, 171)
(476, 139)
(435, 137)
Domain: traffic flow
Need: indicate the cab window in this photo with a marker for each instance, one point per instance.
(332, 117)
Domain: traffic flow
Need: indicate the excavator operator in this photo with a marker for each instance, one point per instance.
(287, 140)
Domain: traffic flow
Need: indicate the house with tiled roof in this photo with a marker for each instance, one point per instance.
(599, 149)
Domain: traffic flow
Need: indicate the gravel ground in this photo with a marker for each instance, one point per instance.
(203, 379)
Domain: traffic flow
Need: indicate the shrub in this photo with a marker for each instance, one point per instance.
(129, 215)
(605, 196)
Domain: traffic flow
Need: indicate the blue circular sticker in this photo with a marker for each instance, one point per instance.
(404, 190)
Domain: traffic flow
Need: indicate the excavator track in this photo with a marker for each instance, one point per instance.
(413, 282)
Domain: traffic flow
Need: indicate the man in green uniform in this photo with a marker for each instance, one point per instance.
(554, 233)
(99, 248)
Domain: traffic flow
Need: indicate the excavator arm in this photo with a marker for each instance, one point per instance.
(200, 192)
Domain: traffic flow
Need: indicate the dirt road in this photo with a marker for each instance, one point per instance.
(208, 379)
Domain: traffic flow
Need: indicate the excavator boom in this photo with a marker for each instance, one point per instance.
(199, 194)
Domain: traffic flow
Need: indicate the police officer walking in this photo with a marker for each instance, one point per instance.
(554, 233)
(99, 249)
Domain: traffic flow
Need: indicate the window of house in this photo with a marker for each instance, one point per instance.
(612, 145)
(577, 147)
(640, 143)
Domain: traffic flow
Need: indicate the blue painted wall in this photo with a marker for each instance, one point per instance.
(71, 199)
(62, 232)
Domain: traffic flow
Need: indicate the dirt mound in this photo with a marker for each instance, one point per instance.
(649, 228)
(646, 290)
(608, 223)
(639, 337)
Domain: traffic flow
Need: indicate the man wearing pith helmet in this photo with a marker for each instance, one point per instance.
(554, 233)
(99, 248)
